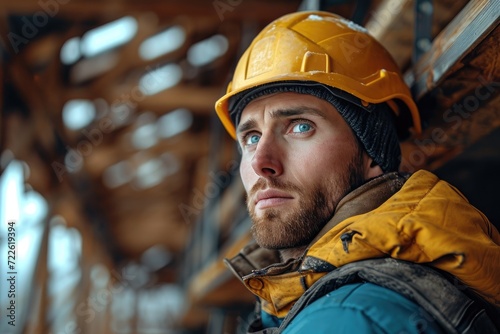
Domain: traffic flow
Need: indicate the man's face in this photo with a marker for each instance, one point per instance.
(299, 158)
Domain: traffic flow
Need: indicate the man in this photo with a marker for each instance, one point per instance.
(344, 242)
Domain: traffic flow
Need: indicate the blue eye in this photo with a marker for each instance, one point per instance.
(252, 139)
(301, 127)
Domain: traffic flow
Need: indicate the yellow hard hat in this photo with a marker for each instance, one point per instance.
(322, 47)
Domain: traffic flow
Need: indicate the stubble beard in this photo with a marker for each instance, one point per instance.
(288, 228)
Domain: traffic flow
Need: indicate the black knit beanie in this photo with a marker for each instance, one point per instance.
(372, 124)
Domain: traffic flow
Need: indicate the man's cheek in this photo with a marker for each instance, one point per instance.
(248, 177)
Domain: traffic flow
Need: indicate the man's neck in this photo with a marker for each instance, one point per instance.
(361, 200)
(292, 253)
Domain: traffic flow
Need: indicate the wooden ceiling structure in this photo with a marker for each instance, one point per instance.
(174, 204)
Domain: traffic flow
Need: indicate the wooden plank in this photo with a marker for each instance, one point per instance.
(457, 40)
(209, 287)
(441, 142)
(36, 320)
(254, 10)
(392, 24)
(461, 110)
(195, 98)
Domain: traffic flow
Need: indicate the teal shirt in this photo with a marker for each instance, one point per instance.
(361, 308)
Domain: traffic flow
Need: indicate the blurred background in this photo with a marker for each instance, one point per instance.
(122, 188)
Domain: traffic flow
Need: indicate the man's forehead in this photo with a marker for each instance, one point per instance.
(287, 104)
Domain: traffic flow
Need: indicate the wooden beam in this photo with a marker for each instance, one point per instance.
(39, 301)
(254, 10)
(455, 42)
(443, 141)
(195, 98)
(137, 233)
(460, 110)
(209, 287)
(184, 146)
(392, 24)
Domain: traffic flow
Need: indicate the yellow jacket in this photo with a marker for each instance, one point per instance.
(425, 220)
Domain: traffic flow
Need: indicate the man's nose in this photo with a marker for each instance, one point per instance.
(267, 161)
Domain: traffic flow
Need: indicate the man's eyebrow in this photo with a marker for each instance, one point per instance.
(280, 113)
(247, 125)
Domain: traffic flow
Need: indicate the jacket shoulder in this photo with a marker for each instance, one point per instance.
(363, 308)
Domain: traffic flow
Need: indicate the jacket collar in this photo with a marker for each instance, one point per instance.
(365, 198)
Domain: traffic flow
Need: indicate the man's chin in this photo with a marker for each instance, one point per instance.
(270, 244)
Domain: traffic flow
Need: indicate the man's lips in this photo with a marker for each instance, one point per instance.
(270, 197)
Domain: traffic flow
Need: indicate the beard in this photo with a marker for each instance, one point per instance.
(285, 228)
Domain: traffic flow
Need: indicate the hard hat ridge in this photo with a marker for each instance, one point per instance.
(325, 48)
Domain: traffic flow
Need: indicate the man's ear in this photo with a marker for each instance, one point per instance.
(372, 169)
